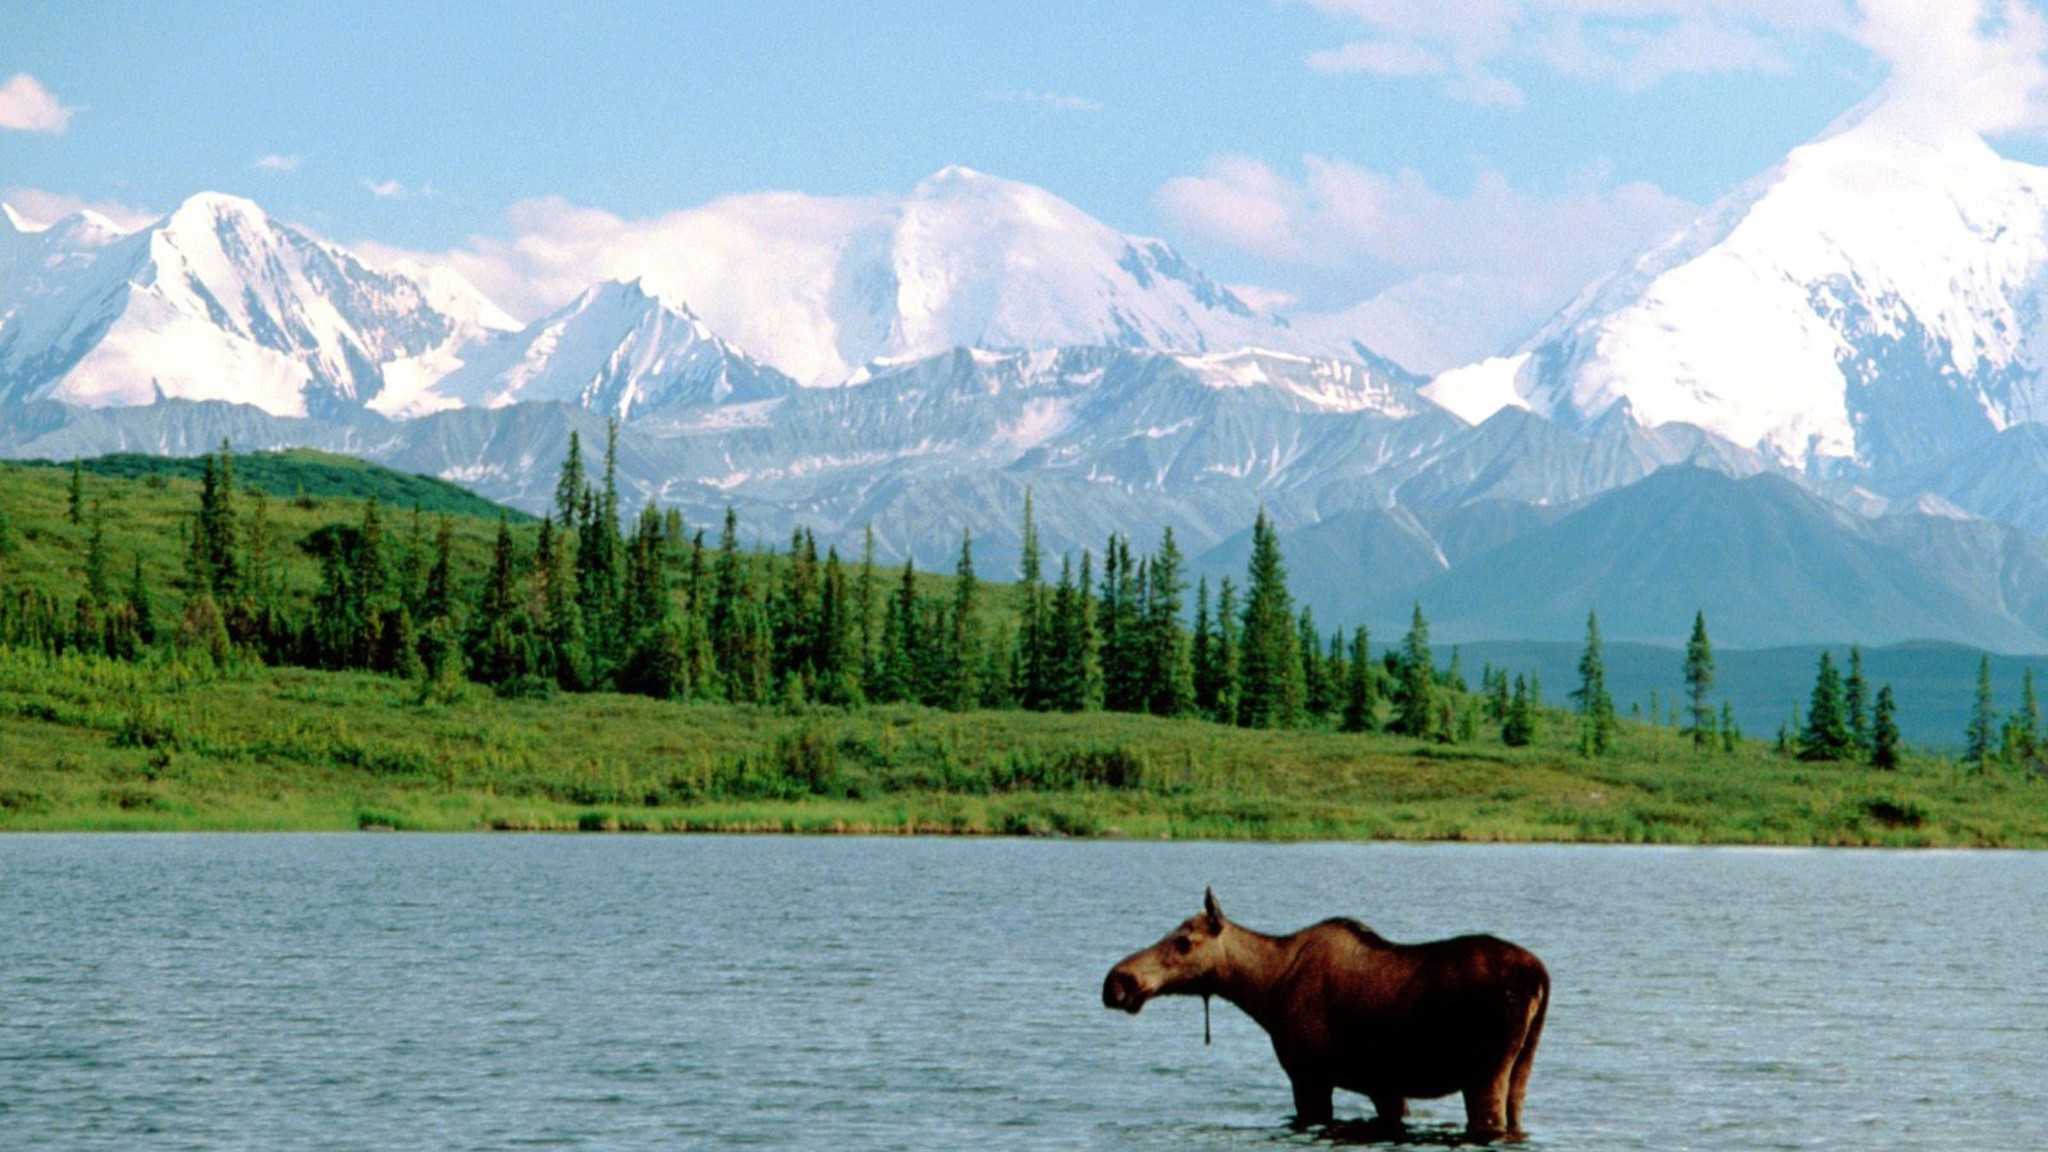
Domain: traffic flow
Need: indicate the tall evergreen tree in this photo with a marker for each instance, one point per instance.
(1202, 651)
(142, 604)
(964, 660)
(1596, 707)
(1826, 735)
(570, 484)
(1314, 698)
(1171, 691)
(2026, 722)
(866, 615)
(1856, 702)
(1034, 641)
(1229, 655)
(75, 504)
(1884, 731)
(1271, 693)
(1415, 696)
(1699, 680)
(1979, 746)
(1519, 728)
(1361, 689)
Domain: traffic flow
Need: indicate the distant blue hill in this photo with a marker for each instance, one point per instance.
(1935, 683)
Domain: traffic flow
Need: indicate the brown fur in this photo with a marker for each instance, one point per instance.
(1348, 1009)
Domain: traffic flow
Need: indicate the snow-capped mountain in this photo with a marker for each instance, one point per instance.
(215, 301)
(615, 349)
(1874, 302)
(820, 287)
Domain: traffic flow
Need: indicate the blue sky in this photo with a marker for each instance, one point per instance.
(419, 127)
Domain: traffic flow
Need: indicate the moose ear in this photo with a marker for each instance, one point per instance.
(1212, 910)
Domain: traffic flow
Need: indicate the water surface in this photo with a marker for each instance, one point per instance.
(472, 992)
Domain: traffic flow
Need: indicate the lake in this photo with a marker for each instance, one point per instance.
(471, 992)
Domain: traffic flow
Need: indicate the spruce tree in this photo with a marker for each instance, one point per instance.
(1731, 736)
(1826, 735)
(1086, 645)
(1170, 671)
(1416, 693)
(438, 600)
(142, 604)
(1518, 729)
(1856, 702)
(1314, 698)
(1202, 651)
(1034, 654)
(569, 485)
(1699, 680)
(2025, 724)
(1360, 688)
(1066, 677)
(1979, 747)
(1270, 685)
(1229, 655)
(99, 580)
(1596, 707)
(900, 641)
(964, 660)
(1884, 731)
(866, 613)
(75, 505)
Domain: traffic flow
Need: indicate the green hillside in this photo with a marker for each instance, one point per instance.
(303, 472)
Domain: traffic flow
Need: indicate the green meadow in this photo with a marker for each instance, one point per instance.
(91, 743)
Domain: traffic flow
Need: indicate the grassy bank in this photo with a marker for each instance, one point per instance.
(87, 743)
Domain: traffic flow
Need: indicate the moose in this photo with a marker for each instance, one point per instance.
(1348, 1009)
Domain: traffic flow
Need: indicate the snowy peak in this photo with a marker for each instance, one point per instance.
(216, 301)
(1871, 302)
(616, 349)
(985, 262)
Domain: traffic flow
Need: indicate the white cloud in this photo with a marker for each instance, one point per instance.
(1262, 298)
(27, 106)
(1379, 58)
(397, 190)
(1961, 64)
(761, 269)
(1056, 101)
(44, 207)
(1632, 44)
(1455, 273)
(275, 162)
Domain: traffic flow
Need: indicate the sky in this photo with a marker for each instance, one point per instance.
(1438, 176)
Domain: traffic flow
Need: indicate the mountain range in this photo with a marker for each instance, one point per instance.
(1814, 412)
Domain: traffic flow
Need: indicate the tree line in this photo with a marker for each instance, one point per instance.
(658, 608)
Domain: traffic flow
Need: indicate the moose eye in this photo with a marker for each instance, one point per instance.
(1183, 945)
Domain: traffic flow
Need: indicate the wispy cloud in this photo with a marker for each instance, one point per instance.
(1506, 256)
(27, 106)
(1056, 101)
(42, 207)
(1631, 44)
(276, 163)
(396, 190)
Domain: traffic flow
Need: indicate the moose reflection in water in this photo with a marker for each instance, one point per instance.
(1348, 1009)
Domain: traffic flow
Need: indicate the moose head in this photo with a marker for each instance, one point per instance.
(1185, 962)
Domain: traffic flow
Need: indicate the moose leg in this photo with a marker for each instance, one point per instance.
(1392, 1110)
(1311, 1102)
(1486, 1106)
